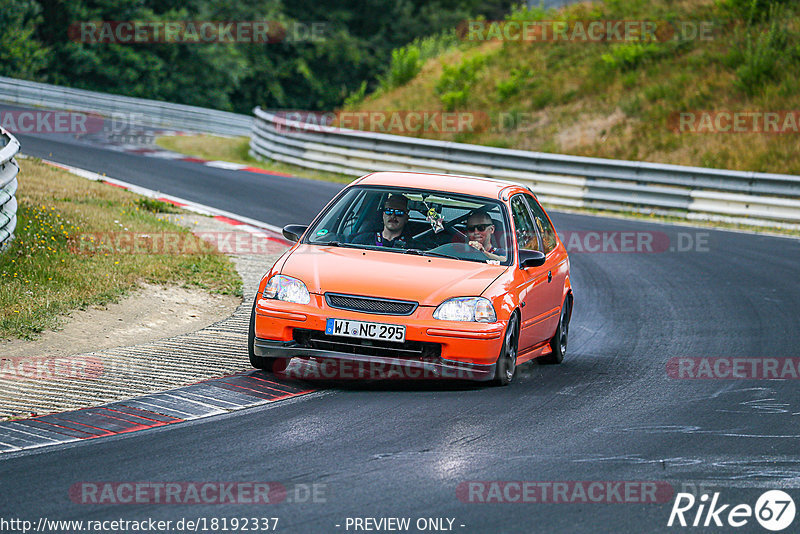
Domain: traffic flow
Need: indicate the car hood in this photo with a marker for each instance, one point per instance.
(423, 279)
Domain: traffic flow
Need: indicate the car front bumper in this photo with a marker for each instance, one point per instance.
(472, 343)
(344, 365)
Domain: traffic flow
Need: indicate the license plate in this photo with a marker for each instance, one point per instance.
(360, 329)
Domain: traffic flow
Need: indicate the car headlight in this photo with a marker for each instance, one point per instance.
(288, 289)
(474, 309)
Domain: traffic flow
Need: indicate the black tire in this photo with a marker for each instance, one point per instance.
(507, 360)
(272, 365)
(559, 341)
(256, 361)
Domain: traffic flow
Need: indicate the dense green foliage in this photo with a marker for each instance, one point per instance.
(20, 54)
(408, 60)
(359, 37)
(456, 81)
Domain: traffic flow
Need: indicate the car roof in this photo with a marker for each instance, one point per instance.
(467, 185)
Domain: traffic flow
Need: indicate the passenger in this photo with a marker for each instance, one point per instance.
(395, 217)
(480, 229)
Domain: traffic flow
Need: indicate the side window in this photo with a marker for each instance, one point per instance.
(526, 233)
(548, 233)
(502, 236)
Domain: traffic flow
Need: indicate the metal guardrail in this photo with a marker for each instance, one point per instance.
(696, 193)
(153, 112)
(9, 147)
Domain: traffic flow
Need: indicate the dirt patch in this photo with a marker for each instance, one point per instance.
(588, 131)
(152, 313)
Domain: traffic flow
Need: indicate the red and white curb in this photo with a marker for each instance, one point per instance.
(226, 165)
(204, 399)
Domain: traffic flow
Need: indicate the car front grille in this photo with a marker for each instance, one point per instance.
(417, 350)
(370, 304)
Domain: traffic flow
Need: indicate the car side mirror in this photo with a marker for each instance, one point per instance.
(293, 232)
(531, 258)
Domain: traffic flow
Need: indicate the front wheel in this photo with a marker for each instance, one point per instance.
(559, 342)
(507, 361)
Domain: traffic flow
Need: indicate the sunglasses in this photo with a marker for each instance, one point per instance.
(390, 212)
(478, 227)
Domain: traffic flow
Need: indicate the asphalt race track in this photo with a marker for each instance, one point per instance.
(612, 412)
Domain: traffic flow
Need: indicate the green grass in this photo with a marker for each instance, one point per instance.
(156, 206)
(42, 274)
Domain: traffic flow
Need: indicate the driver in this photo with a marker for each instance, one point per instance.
(395, 217)
(479, 230)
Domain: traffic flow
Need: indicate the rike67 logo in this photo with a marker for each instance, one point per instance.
(774, 510)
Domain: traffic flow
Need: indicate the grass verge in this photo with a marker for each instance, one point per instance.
(236, 150)
(43, 278)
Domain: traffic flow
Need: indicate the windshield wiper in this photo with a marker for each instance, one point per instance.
(419, 252)
(334, 244)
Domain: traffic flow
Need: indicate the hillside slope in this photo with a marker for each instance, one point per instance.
(624, 99)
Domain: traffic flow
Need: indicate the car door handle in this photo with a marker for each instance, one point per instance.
(549, 276)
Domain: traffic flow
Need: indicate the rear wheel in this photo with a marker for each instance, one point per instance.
(507, 361)
(559, 342)
(274, 365)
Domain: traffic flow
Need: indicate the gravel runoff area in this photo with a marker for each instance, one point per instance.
(56, 381)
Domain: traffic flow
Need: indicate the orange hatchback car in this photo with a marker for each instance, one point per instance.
(418, 275)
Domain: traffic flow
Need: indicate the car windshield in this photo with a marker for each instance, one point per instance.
(415, 221)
